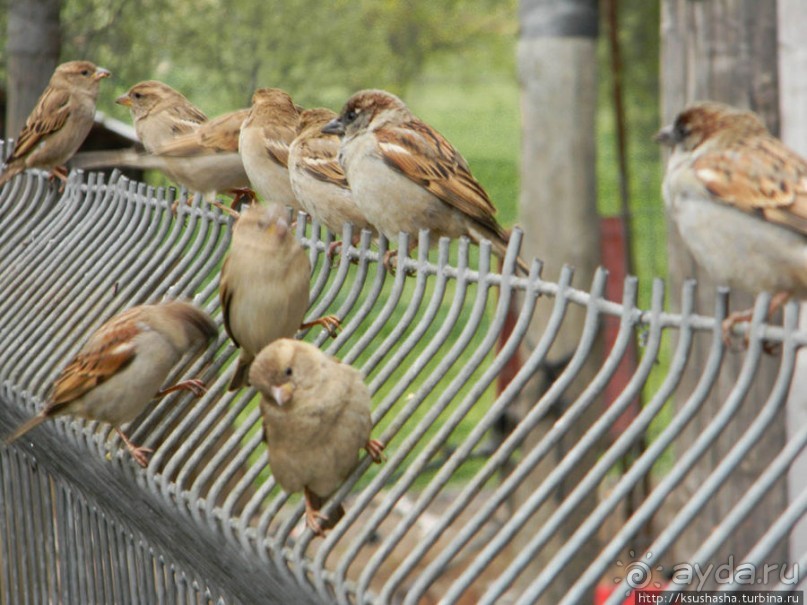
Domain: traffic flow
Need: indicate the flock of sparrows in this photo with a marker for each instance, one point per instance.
(736, 193)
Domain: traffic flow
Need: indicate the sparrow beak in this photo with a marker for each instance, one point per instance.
(665, 136)
(124, 100)
(335, 126)
(282, 394)
(101, 73)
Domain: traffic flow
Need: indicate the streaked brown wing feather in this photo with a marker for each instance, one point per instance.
(278, 139)
(759, 176)
(424, 156)
(110, 349)
(187, 117)
(221, 135)
(49, 116)
(319, 159)
(216, 136)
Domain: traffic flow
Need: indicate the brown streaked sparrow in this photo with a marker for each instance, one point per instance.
(60, 121)
(264, 144)
(316, 418)
(317, 178)
(405, 176)
(738, 197)
(264, 285)
(123, 365)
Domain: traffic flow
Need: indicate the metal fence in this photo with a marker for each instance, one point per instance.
(456, 514)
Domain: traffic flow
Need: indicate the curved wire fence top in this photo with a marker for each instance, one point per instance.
(476, 487)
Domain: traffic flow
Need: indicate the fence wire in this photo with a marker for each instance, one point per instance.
(456, 514)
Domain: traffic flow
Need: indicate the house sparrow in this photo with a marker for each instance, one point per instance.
(191, 150)
(60, 121)
(405, 176)
(160, 113)
(317, 179)
(316, 418)
(264, 285)
(122, 366)
(206, 159)
(264, 144)
(738, 197)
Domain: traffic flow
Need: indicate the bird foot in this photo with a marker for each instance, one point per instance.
(777, 301)
(732, 320)
(139, 453)
(332, 248)
(314, 520)
(59, 172)
(392, 266)
(226, 210)
(375, 449)
(330, 322)
(195, 386)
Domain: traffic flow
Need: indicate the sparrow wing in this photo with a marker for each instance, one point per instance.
(226, 296)
(107, 352)
(49, 116)
(277, 139)
(760, 176)
(185, 118)
(424, 156)
(318, 157)
(219, 135)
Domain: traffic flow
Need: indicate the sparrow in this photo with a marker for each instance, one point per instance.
(264, 142)
(60, 121)
(317, 178)
(122, 366)
(316, 418)
(160, 113)
(405, 176)
(738, 197)
(264, 286)
(206, 159)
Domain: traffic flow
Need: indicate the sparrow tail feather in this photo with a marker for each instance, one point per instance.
(9, 173)
(240, 376)
(27, 426)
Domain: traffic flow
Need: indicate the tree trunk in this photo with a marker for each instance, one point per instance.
(723, 50)
(34, 42)
(558, 212)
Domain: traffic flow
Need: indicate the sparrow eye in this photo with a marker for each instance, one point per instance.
(85, 72)
(288, 372)
(680, 131)
(351, 115)
(137, 95)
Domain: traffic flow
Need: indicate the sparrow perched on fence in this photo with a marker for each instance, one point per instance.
(206, 159)
(738, 197)
(160, 113)
(60, 121)
(405, 176)
(264, 285)
(316, 418)
(180, 141)
(264, 144)
(122, 366)
(317, 179)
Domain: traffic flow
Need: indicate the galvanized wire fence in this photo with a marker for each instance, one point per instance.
(447, 517)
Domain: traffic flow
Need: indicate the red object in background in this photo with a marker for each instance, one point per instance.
(613, 255)
(603, 591)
